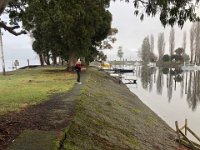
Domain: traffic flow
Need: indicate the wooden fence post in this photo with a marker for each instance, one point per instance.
(177, 130)
(186, 126)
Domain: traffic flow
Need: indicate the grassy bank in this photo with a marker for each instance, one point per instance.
(21, 88)
(109, 116)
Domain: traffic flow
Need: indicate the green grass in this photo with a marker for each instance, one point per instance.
(22, 88)
(35, 140)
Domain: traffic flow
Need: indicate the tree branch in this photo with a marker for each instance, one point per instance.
(11, 29)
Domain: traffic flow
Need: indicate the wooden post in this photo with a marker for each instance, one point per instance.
(177, 130)
(191, 144)
(2, 54)
(198, 138)
(28, 63)
(186, 126)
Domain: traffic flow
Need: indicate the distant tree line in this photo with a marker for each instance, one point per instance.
(174, 55)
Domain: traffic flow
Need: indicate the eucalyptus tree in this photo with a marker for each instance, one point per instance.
(170, 11)
(15, 9)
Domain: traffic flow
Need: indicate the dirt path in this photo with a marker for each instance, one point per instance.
(52, 115)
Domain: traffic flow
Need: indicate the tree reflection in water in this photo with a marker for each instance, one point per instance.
(193, 90)
(189, 82)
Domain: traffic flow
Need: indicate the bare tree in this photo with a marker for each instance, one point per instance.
(120, 53)
(184, 41)
(161, 45)
(152, 44)
(192, 42)
(197, 42)
(171, 41)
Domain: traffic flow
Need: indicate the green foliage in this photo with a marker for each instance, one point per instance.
(166, 58)
(179, 51)
(63, 28)
(165, 70)
(171, 12)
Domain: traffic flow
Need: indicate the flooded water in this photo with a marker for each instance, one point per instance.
(173, 94)
(9, 64)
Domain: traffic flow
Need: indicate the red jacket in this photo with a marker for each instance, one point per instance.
(78, 66)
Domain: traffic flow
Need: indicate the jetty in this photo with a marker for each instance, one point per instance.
(184, 139)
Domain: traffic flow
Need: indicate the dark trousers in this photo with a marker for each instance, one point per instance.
(78, 75)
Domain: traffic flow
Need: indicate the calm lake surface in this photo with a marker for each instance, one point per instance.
(173, 94)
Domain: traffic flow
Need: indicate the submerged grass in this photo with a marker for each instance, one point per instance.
(21, 88)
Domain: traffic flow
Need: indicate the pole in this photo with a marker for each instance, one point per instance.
(2, 55)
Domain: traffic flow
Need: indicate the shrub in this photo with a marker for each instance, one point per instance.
(166, 58)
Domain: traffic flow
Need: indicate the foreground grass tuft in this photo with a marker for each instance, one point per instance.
(22, 88)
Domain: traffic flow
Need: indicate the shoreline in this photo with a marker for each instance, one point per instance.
(116, 118)
(106, 116)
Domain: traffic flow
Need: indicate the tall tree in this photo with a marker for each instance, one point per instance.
(152, 44)
(171, 41)
(145, 50)
(76, 28)
(197, 42)
(184, 41)
(161, 45)
(120, 52)
(192, 42)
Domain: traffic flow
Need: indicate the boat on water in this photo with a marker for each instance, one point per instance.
(105, 66)
(116, 70)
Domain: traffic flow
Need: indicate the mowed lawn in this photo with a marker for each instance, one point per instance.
(22, 88)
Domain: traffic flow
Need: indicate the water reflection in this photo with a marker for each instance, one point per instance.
(193, 90)
(171, 78)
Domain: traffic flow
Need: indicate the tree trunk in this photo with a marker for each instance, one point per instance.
(71, 62)
(41, 59)
(3, 4)
(46, 59)
(54, 59)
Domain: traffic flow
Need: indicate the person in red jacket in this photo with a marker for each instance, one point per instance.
(78, 70)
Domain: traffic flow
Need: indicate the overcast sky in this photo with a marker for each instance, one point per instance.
(131, 33)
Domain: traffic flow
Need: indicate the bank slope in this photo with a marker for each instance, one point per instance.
(110, 117)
